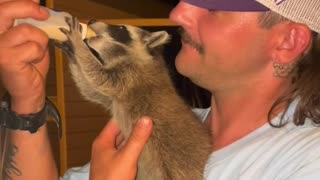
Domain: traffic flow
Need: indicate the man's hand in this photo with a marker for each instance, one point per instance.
(24, 65)
(23, 55)
(19, 9)
(110, 163)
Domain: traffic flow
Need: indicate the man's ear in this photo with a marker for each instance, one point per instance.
(293, 40)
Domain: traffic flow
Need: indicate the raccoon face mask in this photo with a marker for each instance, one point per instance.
(116, 41)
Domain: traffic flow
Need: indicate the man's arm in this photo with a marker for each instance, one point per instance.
(29, 156)
(24, 63)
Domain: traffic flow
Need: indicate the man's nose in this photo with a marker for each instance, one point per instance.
(186, 15)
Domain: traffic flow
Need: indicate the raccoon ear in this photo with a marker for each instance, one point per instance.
(158, 38)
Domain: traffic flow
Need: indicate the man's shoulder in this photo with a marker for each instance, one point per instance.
(270, 153)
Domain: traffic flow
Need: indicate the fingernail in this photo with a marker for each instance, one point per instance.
(144, 122)
(44, 10)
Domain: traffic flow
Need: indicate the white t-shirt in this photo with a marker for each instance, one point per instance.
(287, 153)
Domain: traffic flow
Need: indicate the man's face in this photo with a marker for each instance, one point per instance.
(221, 49)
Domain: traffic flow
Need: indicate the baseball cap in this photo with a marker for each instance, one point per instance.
(229, 5)
(300, 11)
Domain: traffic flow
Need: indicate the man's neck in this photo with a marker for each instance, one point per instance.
(235, 115)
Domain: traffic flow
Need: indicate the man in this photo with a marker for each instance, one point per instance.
(262, 69)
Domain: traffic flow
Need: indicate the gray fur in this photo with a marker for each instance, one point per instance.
(133, 82)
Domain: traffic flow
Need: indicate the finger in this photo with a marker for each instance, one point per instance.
(31, 53)
(119, 141)
(11, 10)
(138, 139)
(107, 137)
(2, 1)
(36, 1)
(42, 64)
(21, 34)
(23, 9)
(121, 145)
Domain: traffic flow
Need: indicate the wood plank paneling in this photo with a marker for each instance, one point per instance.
(81, 140)
(78, 157)
(86, 124)
(84, 109)
(87, 8)
(102, 9)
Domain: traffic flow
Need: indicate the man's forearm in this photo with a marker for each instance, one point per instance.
(29, 156)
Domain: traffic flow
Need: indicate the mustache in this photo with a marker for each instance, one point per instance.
(186, 38)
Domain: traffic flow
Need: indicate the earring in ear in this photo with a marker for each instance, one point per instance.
(282, 70)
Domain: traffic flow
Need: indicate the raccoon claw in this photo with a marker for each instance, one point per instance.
(73, 35)
(73, 23)
(65, 46)
(64, 31)
(91, 21)
(69, 22)
(62, 45)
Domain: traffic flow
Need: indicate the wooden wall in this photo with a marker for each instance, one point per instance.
(113, 9)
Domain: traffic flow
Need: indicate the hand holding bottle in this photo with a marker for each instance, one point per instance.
(23, 55)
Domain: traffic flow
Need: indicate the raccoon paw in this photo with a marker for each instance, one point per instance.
(75, 29)
(66, 46)
(73, 34)
(74, 25)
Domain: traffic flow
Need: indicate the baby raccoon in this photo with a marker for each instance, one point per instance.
(123, 70)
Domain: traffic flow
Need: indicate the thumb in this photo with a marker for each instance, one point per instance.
(138, 139)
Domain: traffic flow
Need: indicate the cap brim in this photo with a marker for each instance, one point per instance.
(229, 5)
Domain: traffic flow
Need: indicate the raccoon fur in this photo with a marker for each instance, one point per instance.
(123, 70)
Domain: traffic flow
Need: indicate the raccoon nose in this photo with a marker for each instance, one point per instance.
(91, 21)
